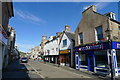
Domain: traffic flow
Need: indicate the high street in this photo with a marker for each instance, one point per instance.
(46, 71)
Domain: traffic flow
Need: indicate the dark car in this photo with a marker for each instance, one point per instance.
(24, 60)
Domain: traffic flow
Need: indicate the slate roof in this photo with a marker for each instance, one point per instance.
(70, 35)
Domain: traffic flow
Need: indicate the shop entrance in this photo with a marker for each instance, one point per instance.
(91, 63)
(65, 60)
(77, 61)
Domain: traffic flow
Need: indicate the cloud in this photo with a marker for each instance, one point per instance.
(27, 16)
(24, 47)
(99, 5)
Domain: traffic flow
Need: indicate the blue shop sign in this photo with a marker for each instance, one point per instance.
(116, 45)
(88, 47)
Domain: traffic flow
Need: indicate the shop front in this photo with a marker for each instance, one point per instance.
(52, 59)
(96, 57)
(116, 57)
(65, 57)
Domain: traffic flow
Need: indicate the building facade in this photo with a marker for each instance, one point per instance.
(44, 40)
(6, 9)
(66, 48)
(51, 49)
(96, 37)
(36, 53)
(12, 50)
(6, 12)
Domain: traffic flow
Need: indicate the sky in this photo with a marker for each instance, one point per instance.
(34, 19)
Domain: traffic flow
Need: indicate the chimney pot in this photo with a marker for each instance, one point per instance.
(67, 28)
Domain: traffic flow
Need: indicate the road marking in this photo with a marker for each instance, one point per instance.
(37, 71)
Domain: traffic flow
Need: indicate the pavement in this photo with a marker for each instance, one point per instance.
(21, 71)
(93, 75)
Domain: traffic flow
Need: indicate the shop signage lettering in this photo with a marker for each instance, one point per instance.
(118, 45)
(64, 51)
(90, 47)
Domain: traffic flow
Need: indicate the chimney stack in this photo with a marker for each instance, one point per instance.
(58, 33)
(89, 9)
(50, 38)
(67, 28)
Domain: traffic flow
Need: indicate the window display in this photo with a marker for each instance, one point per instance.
(83, 58)
(118, 57)
(101, 58)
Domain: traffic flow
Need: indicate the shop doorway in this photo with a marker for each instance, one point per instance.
(91, 63)
(77, 61)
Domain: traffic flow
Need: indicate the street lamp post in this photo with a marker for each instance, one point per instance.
(108, 31)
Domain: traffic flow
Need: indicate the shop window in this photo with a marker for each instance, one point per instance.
(99, 33)
(118, 58)
(67, 59)
(83, 59)
(64, 42)
(101, 58)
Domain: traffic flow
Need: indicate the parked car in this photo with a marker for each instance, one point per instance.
(24, 60)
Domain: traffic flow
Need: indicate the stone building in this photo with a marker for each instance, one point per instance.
(44, 40)
(12, 50)
(96, 37)
(6, 9)
(6, 12)
(36, 52)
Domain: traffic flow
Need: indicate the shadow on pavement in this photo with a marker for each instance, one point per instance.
(16, 70)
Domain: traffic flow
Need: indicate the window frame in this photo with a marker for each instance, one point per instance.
(81, 40)
(100, 33)
(64, 42)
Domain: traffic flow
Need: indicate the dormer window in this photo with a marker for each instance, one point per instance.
(64, 42)
(111, 15)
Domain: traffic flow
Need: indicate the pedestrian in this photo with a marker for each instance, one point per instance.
(58, 62)
(44, 60)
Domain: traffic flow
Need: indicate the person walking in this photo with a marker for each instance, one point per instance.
(58, 62)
